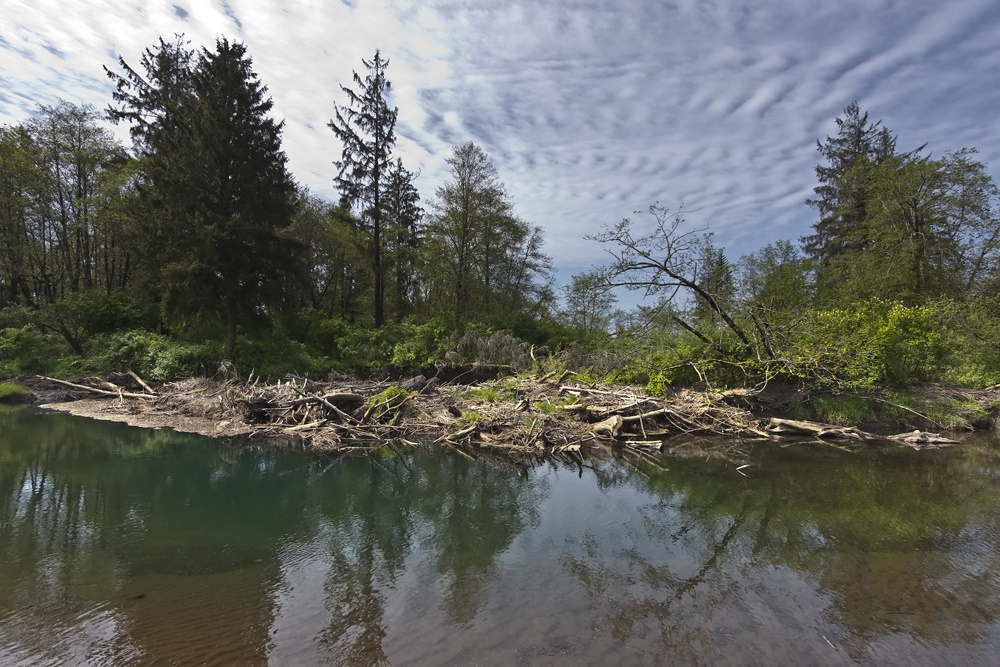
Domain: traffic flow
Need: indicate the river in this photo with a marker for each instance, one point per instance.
(122, 546)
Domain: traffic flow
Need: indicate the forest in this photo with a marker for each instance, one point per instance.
(194, 251)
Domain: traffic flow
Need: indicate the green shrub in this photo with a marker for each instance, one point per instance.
(274, 357)
(876, 342)
(25, 350)
(484, 394)
(158, 357)
(388, 404)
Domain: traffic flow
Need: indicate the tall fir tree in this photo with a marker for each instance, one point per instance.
(148, 100)
(215, 172)
(842, 193)
(366, 128)
(235, 190)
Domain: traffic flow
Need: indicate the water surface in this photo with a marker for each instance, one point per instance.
(121, 546)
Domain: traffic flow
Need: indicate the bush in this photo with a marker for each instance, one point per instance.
(274, 357)
(158, 357)
(877, 342)
(25, 350)
(407, 347)
(972, 332)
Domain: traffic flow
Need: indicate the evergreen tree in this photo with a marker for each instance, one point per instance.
(842, 193)
(402, 225)
(235, 192)
(148, 100)
(366, 128)
(715, 277)
(216, 178)
(151, 102)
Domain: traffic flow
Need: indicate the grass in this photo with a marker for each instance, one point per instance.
(549, 408)
(9, 389)
(470, 417)
(482, 394)
(840, 410)
(955, 414)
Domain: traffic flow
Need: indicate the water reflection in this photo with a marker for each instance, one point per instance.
(122, 546)
(817, 556)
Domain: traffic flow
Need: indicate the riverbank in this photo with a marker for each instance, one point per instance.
(521, 417)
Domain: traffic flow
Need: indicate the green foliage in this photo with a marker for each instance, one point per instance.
(483, 261)
(15, 317)
(8, 389)
(274, 356)
(549, 408)
(407, 347)
(388, 404)
(956, 414)
(972, 335)
(873, 343)
(470, 417)
(158, 357)
(25, 350)
(845, 410)
(483, 394)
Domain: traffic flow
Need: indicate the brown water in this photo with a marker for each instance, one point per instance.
(120, 546)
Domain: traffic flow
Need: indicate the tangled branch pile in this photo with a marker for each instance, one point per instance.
(515, 417)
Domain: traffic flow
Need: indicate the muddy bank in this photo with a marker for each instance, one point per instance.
(518, 417)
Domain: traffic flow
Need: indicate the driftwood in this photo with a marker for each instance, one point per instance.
(798, 428)
(523, 419)
(117, 392)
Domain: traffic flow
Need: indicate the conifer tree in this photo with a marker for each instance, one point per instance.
(402, 224)
(841, 195)
(366, 128)
(216, 175)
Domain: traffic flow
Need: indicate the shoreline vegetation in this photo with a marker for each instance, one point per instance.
(534, 416)
(195, 252)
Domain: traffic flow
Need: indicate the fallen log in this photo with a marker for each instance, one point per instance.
(95, 390)
(800, 428)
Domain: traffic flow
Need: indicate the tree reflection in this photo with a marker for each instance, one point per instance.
(884, 544)
(474, 512)
(103, 526)
(461, 514)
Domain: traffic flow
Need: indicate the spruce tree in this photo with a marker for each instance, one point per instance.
(234, 190)
(366, 128)
(216, 180)
(842, 193)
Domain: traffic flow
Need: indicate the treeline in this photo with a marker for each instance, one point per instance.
(198, 233)
(195, 247)
(897, 283)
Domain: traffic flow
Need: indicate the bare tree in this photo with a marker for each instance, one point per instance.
(664, 263)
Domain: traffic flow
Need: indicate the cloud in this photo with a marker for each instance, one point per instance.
(590, 109)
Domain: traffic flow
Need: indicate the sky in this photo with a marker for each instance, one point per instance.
(591, 110)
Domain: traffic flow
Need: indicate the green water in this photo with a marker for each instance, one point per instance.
(120, 546)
